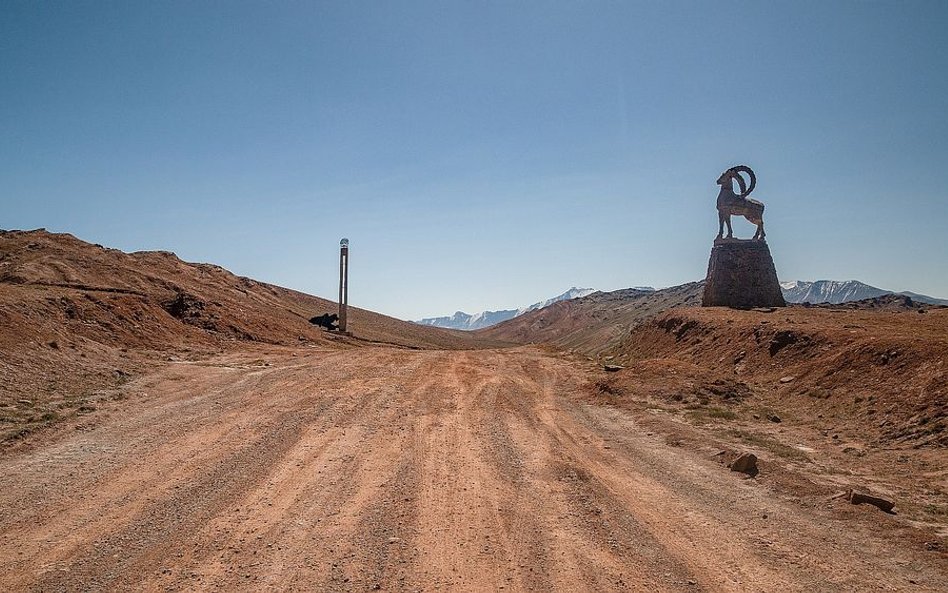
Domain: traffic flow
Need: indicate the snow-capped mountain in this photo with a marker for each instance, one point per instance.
(842, 291)
(467, 321)
(572, 293)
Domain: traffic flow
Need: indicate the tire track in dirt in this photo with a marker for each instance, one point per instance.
(310, 501)
(387, 469)
(599, 544)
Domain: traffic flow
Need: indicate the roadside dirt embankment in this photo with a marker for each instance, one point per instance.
(883, 374)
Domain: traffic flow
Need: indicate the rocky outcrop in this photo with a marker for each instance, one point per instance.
(741, 274)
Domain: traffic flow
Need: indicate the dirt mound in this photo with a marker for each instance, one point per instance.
(880, 374)
(595, 323)
(671, 380)
(79, 319)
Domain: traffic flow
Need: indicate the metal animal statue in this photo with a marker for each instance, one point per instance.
(732, 204)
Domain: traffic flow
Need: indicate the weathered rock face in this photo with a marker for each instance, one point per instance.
(741, 274)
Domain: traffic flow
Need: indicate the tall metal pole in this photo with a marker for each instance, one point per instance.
(343, 283)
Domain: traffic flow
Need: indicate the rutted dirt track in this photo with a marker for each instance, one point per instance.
(405, 470)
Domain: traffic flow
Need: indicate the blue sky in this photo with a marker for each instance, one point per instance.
(481, 155)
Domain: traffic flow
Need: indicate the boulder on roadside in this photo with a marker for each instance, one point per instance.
(746, 463)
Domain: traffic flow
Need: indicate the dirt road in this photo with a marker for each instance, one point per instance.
(398, 470)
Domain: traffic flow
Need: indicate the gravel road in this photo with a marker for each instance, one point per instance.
(401, 470)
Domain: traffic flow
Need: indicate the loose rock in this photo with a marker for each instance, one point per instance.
(746, 463)
(855, 497)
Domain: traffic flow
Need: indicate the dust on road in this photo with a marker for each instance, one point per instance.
(399, 470)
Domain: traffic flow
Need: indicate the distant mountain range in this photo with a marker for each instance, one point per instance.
(468, 321)
(843, 291)
(797, 291)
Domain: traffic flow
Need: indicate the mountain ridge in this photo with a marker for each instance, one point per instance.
(470, 322)
(843, 291)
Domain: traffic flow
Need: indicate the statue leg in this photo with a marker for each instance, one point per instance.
(730, 231)
(720, 224)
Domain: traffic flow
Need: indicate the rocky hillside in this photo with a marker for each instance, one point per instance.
(78, 318)
(595, 323)
(878, 373)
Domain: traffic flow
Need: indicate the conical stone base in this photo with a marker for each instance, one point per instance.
(741, 274)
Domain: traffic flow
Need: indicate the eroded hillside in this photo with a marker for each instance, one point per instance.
(595, 323)
(883, 374)
(80, 319)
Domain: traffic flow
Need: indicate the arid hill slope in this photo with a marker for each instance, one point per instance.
(595, 323)
(78, 318)
(883, 374)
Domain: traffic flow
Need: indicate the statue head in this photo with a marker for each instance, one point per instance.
(735, 173)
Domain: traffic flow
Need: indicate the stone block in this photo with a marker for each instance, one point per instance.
(741, 274)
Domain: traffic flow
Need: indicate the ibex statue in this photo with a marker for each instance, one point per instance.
(732, 204)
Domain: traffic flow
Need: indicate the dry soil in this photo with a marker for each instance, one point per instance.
(318, 469)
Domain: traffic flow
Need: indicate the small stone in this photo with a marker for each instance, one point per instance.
(855, 497)
(612, 368)
(774, 418)
(787, 379)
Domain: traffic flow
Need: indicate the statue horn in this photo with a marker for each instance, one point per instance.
(740, 181)
(745, 191)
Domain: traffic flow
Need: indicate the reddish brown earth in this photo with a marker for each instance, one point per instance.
(882, 376)
(229, 454)
(831, 398)
(402, 470)
(595, 323)
(78, 319)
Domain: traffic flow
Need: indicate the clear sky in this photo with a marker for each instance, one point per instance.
(481, 155)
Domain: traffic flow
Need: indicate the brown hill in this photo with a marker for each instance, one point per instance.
(77, 318)
(595, 323)
(881, 374)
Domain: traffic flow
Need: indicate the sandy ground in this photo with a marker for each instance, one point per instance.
(400, 470)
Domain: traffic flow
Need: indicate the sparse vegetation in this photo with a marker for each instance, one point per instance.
(701, 413)
(609, 388)
(769, 444)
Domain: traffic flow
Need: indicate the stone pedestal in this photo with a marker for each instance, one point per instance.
(741, 274)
